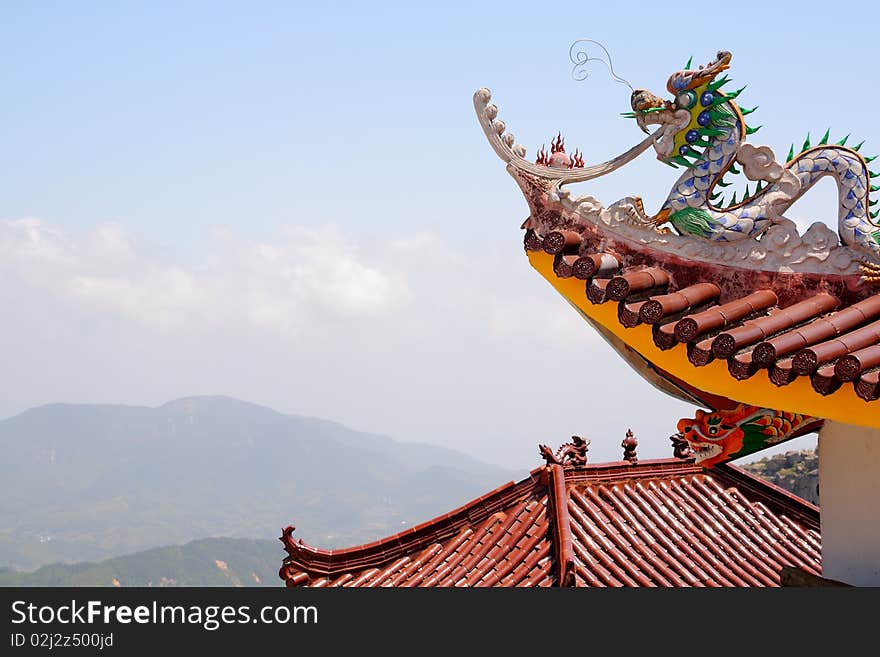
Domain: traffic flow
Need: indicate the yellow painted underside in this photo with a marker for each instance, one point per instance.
(797, 397)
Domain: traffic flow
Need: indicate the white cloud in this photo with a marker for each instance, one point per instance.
(275, 286)
(302, 279)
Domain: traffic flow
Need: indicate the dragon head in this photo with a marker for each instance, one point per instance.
(718, 436)
(713, 437)
(692, 118)
(688, 79)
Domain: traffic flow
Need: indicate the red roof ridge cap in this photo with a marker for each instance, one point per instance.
(644, 468)
(321, 561)
(561, 526)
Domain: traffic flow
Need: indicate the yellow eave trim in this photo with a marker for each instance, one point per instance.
(844, 405)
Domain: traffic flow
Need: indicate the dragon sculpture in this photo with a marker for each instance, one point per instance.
(745, 243)
(719, 436)
(704, 130)
(573, 453)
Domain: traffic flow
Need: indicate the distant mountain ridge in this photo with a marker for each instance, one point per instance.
(88, 482)
(205, 562)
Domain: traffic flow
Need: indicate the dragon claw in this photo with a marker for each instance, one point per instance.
(661, 217)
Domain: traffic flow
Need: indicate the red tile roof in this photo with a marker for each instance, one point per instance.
(794, 325)
(652, 523)
(500, 539)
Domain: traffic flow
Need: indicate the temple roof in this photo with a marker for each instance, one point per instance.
(664, 522)
(728, 332)
(753, 313)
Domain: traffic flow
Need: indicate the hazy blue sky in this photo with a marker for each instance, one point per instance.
(294, 204)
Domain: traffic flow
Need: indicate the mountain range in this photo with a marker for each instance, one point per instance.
(92, 482)
(204, 562)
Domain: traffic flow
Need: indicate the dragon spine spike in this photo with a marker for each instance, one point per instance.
(842, 142)
(722, 183)
(858, 146)
(746, 112)
(824, 139)
(717, 84)
(868, 160)
(733, 199)
(806, 143)
(790, 154)
(758, 188)
(725, 97)
(751, 131)
(734, 170)
(689, 61)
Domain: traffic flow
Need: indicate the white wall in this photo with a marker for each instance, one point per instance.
(849, 497)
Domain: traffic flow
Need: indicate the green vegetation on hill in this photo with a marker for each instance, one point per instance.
(206, 562)
(796, 471)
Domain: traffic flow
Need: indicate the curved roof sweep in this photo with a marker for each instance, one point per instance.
(734, 307)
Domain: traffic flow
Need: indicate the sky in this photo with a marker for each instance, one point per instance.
(294, 205)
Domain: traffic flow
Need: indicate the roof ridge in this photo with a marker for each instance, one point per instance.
(783, 500)
(643, 469)
(560, 526)
(320, 561)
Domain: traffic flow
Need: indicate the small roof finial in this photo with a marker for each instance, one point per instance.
(629, 444)
(680, 447)
(573, 453)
